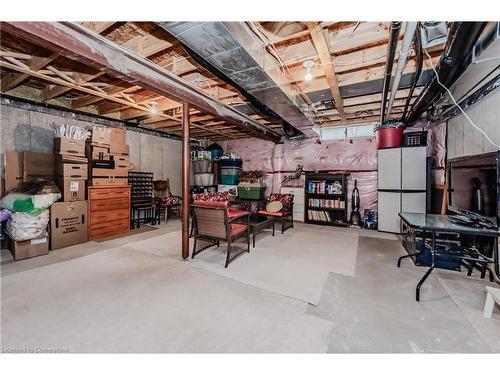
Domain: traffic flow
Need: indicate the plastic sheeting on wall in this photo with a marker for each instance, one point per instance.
(358, 157)
(436, 148)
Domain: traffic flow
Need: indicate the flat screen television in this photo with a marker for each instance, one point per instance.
(468, 174)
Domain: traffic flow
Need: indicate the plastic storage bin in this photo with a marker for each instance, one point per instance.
(389, 136)
(230, 171)
(238, 163)
(252, 192)
(202, 166)
(229, 179)
(204, 179)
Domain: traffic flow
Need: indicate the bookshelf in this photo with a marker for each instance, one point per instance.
(326, 199)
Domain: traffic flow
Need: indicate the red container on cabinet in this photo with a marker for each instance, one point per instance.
(389, 136)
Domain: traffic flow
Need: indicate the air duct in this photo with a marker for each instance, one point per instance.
(391, 51)
(231, 52)
(403, 56)
(461, 40)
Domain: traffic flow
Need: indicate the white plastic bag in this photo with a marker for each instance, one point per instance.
(23, 226)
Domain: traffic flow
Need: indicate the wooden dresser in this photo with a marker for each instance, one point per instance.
(109, 211)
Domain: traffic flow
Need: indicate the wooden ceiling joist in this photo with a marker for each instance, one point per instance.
(55, 91)
(98, 27)
(73, 86)
(76, 42)
(12, 80)
(323, 50)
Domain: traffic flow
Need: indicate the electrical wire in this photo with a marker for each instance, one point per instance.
(460, 108)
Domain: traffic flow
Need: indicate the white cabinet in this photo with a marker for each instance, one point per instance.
(389, 204)
(389, 169)
(413, 163)
(413, 202)
(298, 201)
(402, 184)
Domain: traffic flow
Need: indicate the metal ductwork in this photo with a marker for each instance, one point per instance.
(391, 51)
(231, 52)
(461, 40)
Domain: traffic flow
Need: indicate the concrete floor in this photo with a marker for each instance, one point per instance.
(110, 297)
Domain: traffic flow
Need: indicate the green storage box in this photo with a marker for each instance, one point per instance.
(252, 192)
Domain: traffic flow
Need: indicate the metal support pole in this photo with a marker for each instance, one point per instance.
(186, 161)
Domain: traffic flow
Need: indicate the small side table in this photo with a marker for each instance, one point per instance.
(259, 223)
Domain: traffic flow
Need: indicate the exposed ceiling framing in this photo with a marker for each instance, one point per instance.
(348, 57)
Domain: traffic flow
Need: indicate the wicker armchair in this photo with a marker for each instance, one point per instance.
(213, 222)
(285, 216)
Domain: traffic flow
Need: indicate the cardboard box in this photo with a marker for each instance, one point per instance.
(68, 224)
(13, 166)
(70, 159)
(100, 137)
(41, 163)
(29, 248)
(118, 135)
(121, 158)
(98, 153)
(108, 181)
(38, 165)
(121, 171)
(67, 146)
(73, 171)
(121, 149)
(72, 190)
(101, 163)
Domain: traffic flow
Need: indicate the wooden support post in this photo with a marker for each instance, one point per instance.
(186, 161)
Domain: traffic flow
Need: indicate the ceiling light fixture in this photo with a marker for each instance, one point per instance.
(152, 109)
(308, 64)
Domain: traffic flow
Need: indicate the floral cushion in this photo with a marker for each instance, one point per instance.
(285, 199)
(212, 197)
(218, 204)
(167, 202)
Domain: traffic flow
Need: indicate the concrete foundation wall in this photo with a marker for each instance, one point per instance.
(29, 130)
(464, 139)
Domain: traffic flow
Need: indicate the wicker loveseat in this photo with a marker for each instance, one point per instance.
(213, 222)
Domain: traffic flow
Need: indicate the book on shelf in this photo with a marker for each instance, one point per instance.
(319, 216)
(326, 203)
(324, 187)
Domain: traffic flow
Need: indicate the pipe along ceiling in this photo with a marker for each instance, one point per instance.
(462, 37)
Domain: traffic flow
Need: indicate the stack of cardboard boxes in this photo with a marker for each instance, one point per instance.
(108, 153)
(20, 167)
(71, 168)
(23, 166)
(68, 224)
(104, 161)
